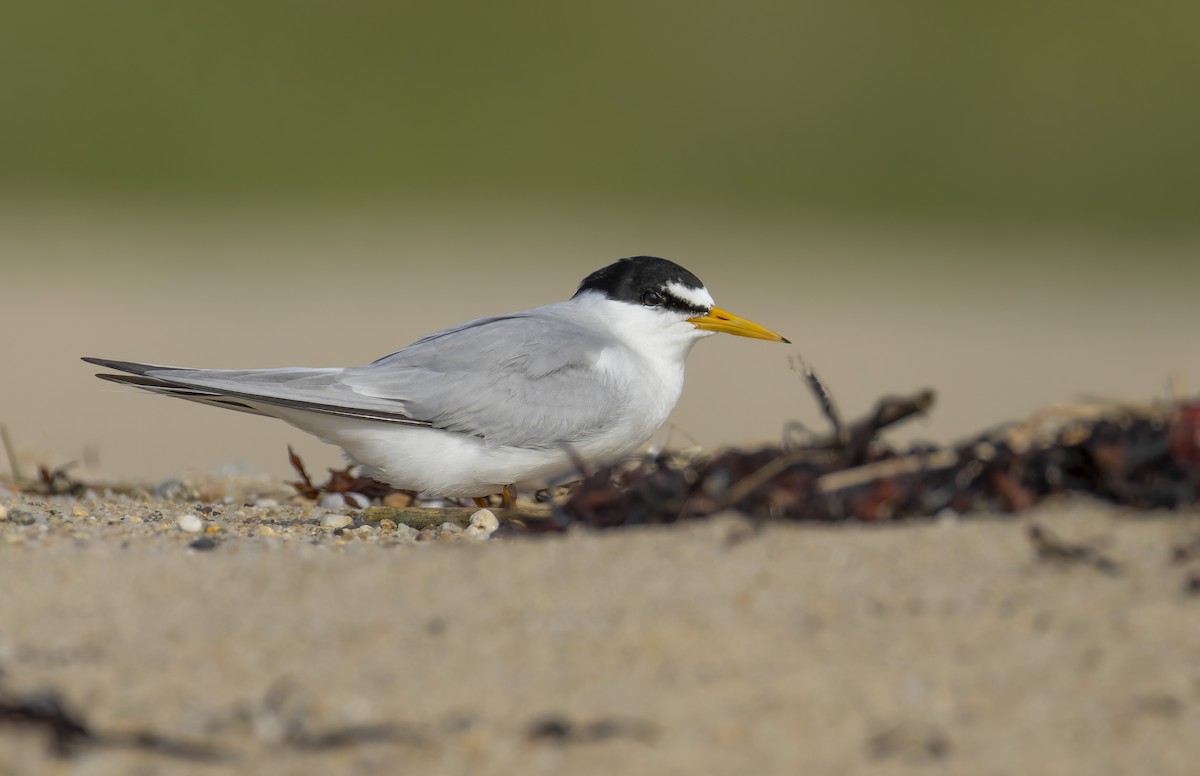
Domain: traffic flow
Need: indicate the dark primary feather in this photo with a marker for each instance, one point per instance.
(231, 388)
(192, 394)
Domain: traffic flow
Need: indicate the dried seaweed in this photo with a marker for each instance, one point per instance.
(58, 481)
(69, 733)
(557, 729)
(1143, 457)
(341, 481)
(1050, 548)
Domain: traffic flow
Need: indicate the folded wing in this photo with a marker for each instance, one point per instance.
(527, 380)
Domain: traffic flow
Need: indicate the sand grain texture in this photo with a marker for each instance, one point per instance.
(710, 647)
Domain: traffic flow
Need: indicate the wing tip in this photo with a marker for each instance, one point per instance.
(137, 377)
(132, 367)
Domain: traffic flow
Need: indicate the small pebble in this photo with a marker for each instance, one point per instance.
(344, 501)
(387, 525)
(332, 501)
(398, 500)
(406, 533)
(203, 543)
(946, 517)
(22, 516)
(483, 524)
(175, 490)
(190, 523)
(336, 521)
(266, 530)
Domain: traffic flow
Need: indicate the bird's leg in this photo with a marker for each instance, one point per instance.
(508, 498)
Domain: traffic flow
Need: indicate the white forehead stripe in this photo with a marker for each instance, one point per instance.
(697, 297)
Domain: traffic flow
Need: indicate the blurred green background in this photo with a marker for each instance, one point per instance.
(1053, 112)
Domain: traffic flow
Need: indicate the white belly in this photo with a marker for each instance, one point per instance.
(451, 464)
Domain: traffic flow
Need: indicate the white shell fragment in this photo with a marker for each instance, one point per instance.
(344, 501)
(336, 521)
(190, 523)
(483, 524)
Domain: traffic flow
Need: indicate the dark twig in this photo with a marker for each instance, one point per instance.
(561, 730)
(824, 397)
(1050, 547)
(69, 732)
(341, 481)
(46, 711)
(354, 736)
(888, 411)
(11, 451)
(305, 485)
(58, 481)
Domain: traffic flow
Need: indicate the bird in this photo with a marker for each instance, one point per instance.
(494, 405)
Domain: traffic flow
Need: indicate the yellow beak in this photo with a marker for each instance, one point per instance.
(719, 320)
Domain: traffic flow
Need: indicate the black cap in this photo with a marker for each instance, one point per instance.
(641, 280)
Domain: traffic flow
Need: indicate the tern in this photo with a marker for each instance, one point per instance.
(496, 404)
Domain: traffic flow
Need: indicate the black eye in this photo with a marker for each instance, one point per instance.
(652, 299)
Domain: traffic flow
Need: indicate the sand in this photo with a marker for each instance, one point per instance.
(271, 643)
(712, 647)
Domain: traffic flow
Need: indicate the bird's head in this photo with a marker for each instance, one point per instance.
(665, 294)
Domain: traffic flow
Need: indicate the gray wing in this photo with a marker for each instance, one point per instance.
(256, 390)
(524, 379)
(527, 379)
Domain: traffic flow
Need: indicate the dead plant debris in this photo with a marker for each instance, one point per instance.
(341, 481)
(281, 720)
(1145, 457)
(557, 729)
(68, 732)
(1051, 548)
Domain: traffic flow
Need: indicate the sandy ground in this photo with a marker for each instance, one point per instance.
(709, 648)
(706, 648)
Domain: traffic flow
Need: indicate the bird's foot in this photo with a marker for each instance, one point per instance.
(508, 498)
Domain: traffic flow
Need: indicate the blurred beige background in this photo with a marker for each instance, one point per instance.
(996, 203)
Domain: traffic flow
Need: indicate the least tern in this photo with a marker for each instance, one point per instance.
(497, 403)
